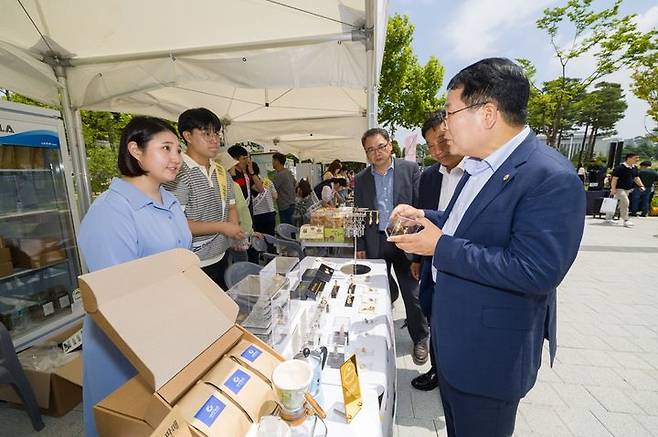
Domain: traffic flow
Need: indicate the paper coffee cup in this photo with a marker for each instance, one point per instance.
(291, 380)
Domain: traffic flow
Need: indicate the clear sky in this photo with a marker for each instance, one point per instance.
(461, 32)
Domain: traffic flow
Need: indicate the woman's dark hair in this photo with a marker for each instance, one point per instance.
(495, 80)
(256, 168)
(645, 164)
(141, 130)
(198, 118)
(335, 165)
(280, 157)
(237, 151)
(304, 188)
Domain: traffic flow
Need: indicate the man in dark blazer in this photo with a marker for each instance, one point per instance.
(437, 185)
(505, 242)
(385, 183)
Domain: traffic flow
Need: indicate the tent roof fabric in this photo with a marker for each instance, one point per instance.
(261, 65)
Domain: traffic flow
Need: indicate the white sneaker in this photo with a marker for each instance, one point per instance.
(628, 223)
(608, 222)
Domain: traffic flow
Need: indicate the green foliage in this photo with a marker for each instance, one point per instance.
(102, 167)
(603, 107)
(643, 146)
(103, 128)
(397, 151)
(613, 41)
(13, 97)
(428, 161)
(645, 78)
(407, 90)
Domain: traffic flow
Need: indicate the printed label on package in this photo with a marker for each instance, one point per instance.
(251, 353)
(237, 381)
(48, 309)
(210, 411)
(64, 302)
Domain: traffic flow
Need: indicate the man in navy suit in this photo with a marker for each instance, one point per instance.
(505, 242)
(437, 184)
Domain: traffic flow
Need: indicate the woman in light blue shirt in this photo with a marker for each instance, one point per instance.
(134, 218)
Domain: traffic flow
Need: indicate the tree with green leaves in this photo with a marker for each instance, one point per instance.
(408, 91)
(645, 79)
(613, 41)
(600, 111)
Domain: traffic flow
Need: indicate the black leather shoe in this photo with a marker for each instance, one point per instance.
(421, 352)
(426, 382)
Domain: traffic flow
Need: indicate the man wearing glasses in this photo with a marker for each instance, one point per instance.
(205, 192)
(437, 185)
(506, 240)
(388, 182)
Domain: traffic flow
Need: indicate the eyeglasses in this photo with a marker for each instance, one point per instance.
(373, 150)
(447, 113)
(210, 135)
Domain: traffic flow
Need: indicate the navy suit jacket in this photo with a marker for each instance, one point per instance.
(494, 298)
(429, 191)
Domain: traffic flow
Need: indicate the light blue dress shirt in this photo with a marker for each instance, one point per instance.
(480, 171)
(122, 225)
(384, 193)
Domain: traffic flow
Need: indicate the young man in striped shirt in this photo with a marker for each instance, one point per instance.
(205, 191)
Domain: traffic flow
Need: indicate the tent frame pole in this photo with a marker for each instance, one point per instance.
(73, 128)
(370, 63)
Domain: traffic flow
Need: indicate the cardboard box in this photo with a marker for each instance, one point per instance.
(30, 253)
(6, 268)
(172, 322)
(5, 254)
(57, 392)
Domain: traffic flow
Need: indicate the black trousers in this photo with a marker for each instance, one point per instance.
(408, 287)
(216, 271)
(469, 415)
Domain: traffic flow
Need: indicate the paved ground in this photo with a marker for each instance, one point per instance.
(605, 379)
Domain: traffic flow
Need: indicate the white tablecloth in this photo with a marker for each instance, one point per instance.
(371, 338)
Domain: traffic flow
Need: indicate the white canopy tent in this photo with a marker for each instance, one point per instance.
(294, 75)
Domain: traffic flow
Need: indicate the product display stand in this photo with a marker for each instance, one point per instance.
(355, 225)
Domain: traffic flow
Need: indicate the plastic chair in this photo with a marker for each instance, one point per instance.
(287, 231)
(12, 373)
(289, 248)
(238, 271)
(270, 244)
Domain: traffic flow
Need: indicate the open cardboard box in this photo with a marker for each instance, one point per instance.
(173, 323)
(56, 391)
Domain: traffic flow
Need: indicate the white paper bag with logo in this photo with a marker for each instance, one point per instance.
(609, 205)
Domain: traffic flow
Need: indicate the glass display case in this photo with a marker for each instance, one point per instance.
(39, 261)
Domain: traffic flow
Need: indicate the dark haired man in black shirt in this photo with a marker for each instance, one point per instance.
(623, 179)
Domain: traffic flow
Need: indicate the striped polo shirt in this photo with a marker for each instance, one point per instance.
(264, 202)
(205, 200)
